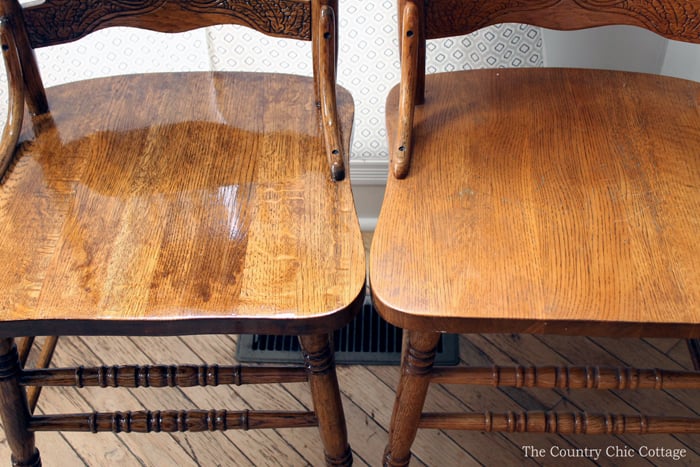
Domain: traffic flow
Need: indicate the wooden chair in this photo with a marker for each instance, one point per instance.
(538, 201)
(172, 204)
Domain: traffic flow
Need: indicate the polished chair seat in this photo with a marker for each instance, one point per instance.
(138, 206)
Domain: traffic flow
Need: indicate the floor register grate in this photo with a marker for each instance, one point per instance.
(368, 340)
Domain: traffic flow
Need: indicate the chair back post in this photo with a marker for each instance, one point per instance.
(35, 94)
(412, 90)
(15, 84)
(324, 44)
(419, 6)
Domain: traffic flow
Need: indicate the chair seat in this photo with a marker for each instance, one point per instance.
(172, 227)
(514, 216)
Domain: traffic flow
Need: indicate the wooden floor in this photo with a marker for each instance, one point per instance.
(368, 396)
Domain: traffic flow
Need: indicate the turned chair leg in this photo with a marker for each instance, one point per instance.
(320, 365)
(14, 409)
(418, 356)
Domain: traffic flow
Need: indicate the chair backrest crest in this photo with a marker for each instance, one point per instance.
(54, 22)
(674, 19)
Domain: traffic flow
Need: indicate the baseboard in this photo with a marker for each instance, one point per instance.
(368, 224)
(373, 172)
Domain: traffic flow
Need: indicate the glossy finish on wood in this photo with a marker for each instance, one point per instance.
(178, 203)
(327, 49)
(538, 201)
(97, 243)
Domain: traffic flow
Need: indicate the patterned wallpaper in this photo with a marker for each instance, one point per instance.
(368, 62)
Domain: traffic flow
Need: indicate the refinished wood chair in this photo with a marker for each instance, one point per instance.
(538, 201)
(172, 204)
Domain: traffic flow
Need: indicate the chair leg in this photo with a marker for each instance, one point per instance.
(417, 360)
(320, 365)
(43, 362)
(14, 409)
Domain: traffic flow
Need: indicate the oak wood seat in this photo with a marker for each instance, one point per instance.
(543, 201)
(172, 204)
(115, 222)
(569, 201)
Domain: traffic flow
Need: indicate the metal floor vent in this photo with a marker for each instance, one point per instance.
(368, 340)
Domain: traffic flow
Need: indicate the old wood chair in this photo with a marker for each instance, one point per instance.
(172, 204)
(538, 201)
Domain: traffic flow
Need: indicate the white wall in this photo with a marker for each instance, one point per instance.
(622, 48)
(615, 47)
(682, 60)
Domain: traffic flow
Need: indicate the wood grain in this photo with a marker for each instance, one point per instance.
(568, 205)
(539, 201)
(126, 225)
